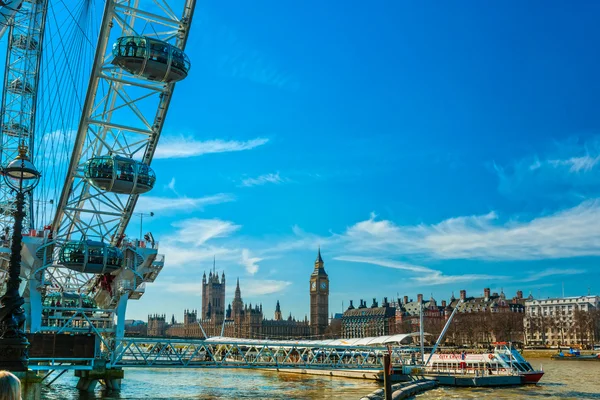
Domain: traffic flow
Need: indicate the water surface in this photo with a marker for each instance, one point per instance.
(563, 380)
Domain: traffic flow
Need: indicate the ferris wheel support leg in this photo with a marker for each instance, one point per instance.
(120, 312)
(34, 305)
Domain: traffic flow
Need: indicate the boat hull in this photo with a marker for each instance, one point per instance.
(474, 381)
(532, 377)
(576, 358)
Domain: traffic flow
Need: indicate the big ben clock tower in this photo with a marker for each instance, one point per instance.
(319, 298)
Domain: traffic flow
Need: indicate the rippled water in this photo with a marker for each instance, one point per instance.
(218, 384)
(563, 379)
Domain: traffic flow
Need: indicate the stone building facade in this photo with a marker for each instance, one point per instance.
(563, 321)
(368, 321)
(491, 311)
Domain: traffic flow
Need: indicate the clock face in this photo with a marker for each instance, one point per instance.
(323, 285)
(313, 285)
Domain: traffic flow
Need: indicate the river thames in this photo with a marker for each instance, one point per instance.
(563, 379)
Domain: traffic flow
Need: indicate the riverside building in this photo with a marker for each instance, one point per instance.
(562, 321)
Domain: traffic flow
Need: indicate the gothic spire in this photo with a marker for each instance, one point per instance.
(238, 292)
(319, 259)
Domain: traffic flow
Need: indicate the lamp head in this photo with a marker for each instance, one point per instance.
(20, 173)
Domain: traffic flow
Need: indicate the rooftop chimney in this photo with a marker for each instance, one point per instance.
(374, 305)
(486, 293)
(463, 294)
(444, 303)
(405, 299)
(519, 294)
(351, 306)
(419, 298)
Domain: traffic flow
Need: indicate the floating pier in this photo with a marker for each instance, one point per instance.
(404, 390)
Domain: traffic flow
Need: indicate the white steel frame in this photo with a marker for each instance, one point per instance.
(18, 106)
(122, 115)
(196, 353)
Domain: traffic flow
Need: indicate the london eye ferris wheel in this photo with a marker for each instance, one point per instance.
(87, 87)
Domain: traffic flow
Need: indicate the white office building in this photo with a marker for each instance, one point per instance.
(562, 321)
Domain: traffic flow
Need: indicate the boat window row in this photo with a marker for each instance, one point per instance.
(443, 366)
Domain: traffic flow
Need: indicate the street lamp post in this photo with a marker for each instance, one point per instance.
(22, 177)
(142, 215)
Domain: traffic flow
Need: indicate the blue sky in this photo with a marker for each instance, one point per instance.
(426, 147)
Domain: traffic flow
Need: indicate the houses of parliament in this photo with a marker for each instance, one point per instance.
(241, 320)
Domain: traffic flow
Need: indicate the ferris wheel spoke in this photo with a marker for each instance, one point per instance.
(163, 5)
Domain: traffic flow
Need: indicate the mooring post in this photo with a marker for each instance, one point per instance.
(387, 379)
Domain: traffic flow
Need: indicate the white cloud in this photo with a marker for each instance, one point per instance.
(573, 232)
(566, 171)
(171, 186)
(188, 288)
(439, 278)
(534, 276)
(385, 263)
(182, 256)
(250, 263)
(259, 287)
(170, 204)
(197, 231)
(263, 179)
(428, 276)
(191, 240)
(182, 147)
(251, 287)
(577, 164)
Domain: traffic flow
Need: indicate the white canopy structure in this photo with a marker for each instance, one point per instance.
(399, 339)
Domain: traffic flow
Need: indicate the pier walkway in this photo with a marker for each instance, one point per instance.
(222, 352)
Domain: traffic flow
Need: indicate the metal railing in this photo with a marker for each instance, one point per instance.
(191, 353)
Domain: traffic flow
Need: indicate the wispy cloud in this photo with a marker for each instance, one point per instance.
(260, 287)
(439, 278)
(577, 164)
(197, 231)
(183, 147)
(252, 287)
(568, 170)
(536, 276)
(171, 186)
(249, 262)
(179, 255)
(171, 204)
(199, 239)
(573, 232)
(428, 276)
(385, 263)
(263, 179)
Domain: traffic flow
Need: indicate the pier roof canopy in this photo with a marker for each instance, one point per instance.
(400, 339)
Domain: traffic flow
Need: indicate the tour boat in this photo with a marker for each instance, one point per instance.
(501, 366)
